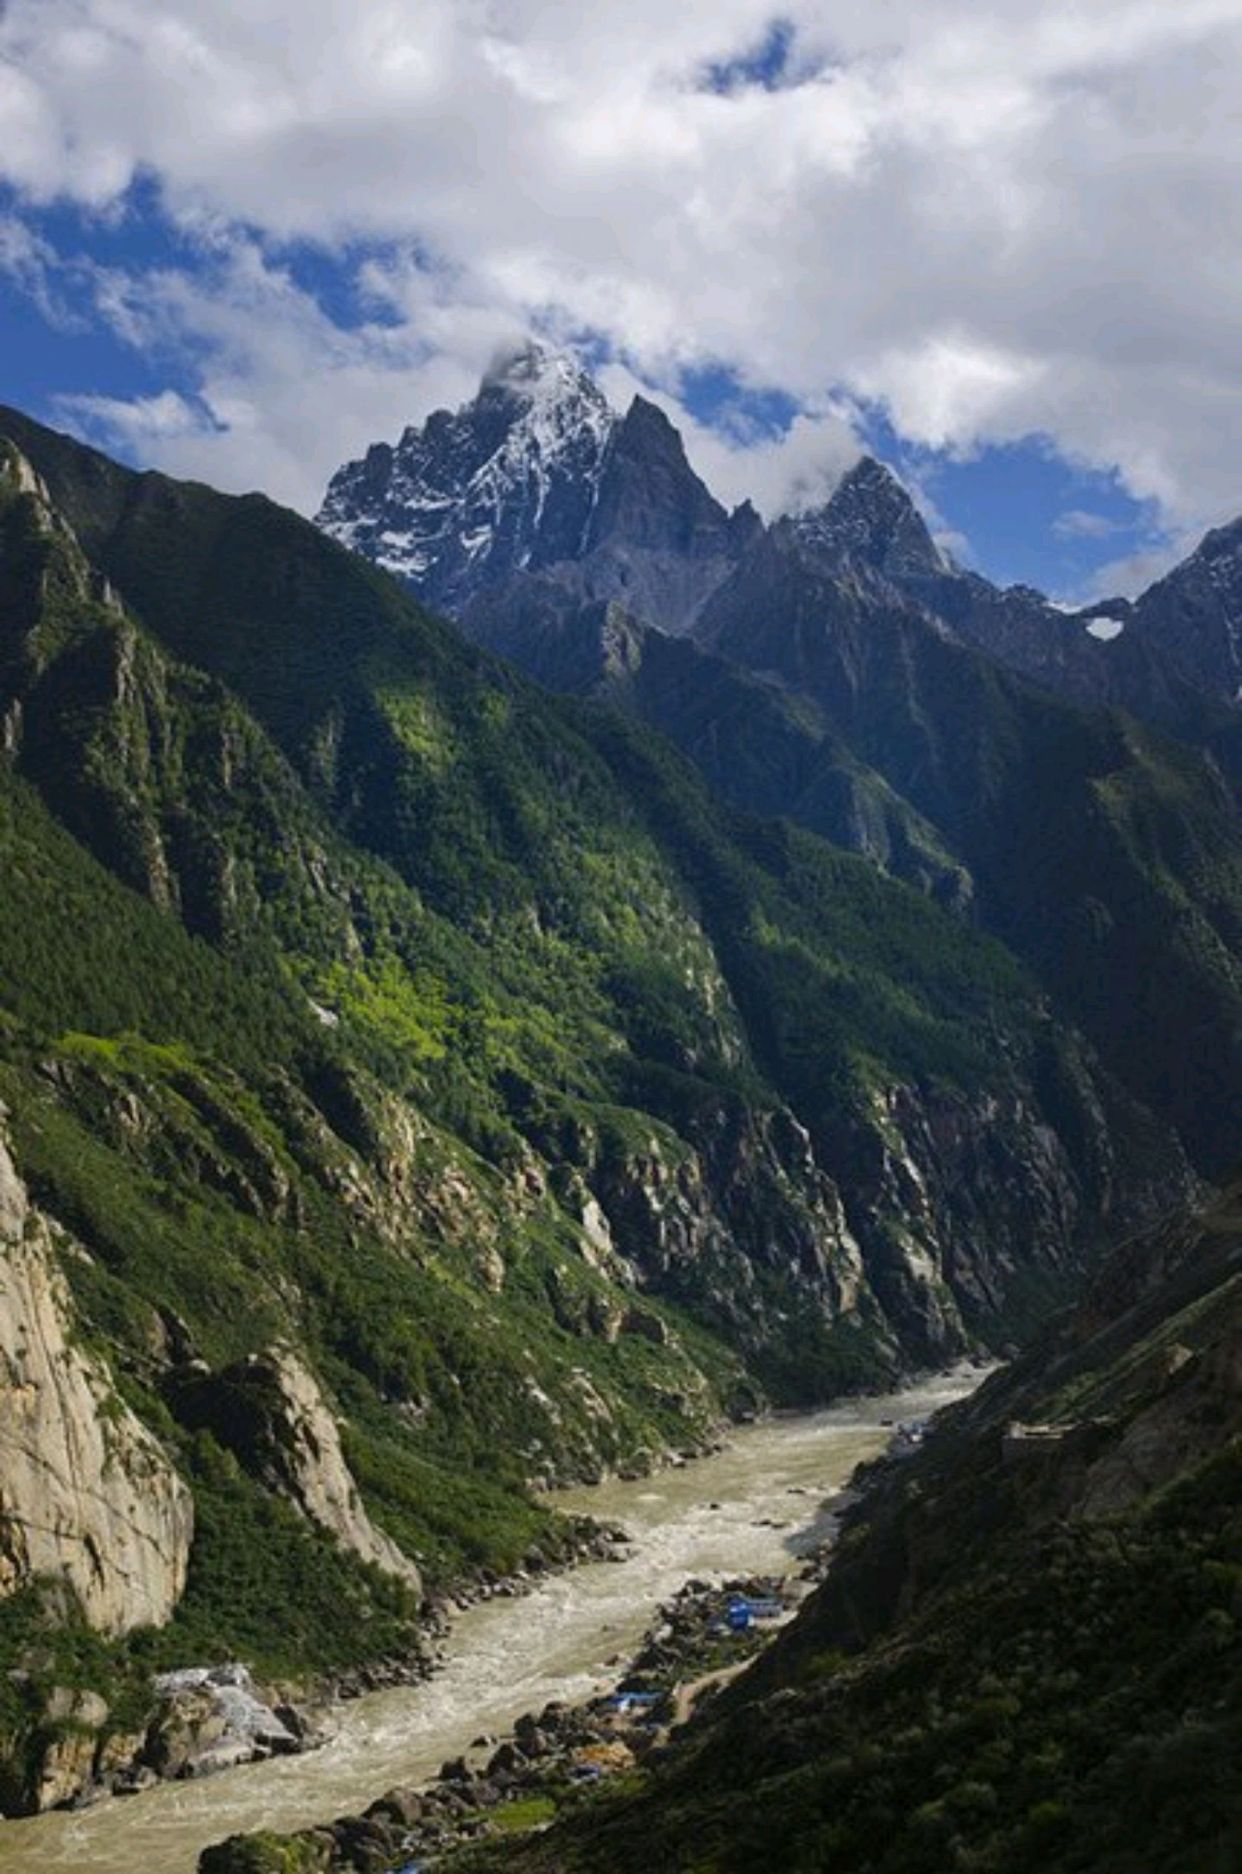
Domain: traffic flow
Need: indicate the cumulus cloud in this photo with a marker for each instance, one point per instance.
(283, 394)
(1132, 573)
(141, 421)
(996, 218)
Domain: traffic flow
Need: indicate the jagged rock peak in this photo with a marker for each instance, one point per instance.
(536, 472)
(1194, 614)
(506, 482)
(870, 517)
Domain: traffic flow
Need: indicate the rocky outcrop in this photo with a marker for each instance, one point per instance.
(734, 1215)
(65, 1749)
(917, 1213)
(213, 1718)
(87, 1495)
(270, 1411)
(931, 1180)
(198, 1720)
(509, 480)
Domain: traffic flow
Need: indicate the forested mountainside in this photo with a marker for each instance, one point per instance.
(836, 667)
(1026, 1654)
(416, 1087)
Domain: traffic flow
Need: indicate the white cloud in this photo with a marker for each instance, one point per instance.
(284, 395)
(144, 422)
(998, 217)
(31, 264)
(1084, 524)
(1132, 573)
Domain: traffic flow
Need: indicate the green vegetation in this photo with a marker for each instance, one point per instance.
(526, 1813)
(1103, 854)
(267, 1854)
(356, 995)
(1081, 1714)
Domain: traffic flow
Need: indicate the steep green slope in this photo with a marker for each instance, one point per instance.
(819, 687)
(169, 1109)
(762, 747)
(1026, 1656)
(224, 1178)
(1107, 857)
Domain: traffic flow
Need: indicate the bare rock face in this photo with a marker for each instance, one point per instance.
(66, 1764)
(539, 472)
(270, 1411)
(87, 1495)
(212, 1718)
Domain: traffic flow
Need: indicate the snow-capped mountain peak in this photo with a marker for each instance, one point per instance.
(508, 481)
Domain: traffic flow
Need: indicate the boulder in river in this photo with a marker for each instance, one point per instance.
(212, 1718)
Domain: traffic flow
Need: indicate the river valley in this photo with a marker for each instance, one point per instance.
(751, 1508)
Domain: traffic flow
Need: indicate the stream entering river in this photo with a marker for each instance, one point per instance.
(750, 1509)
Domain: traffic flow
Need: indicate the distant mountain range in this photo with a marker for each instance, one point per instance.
(837, 667)
(538, 475)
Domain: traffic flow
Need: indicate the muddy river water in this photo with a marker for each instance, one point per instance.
(751, 1508)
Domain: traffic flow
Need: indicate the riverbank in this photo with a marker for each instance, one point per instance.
(205, 1720)
(554, 1759)
(738, 1512)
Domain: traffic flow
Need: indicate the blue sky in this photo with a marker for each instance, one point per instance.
(995, 244)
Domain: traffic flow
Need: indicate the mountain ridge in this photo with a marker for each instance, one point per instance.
(1189, 686)
(842, 671)
(394, 1048)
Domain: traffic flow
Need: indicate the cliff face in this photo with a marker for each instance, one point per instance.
(571, 910)
(270, 1410)
(87, 1496)
(944, 1212)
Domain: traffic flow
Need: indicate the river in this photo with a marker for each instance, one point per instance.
(714, 1517)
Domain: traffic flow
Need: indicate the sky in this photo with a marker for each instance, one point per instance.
(995, 241)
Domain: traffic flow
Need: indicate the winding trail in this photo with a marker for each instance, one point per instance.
(750, 1509)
